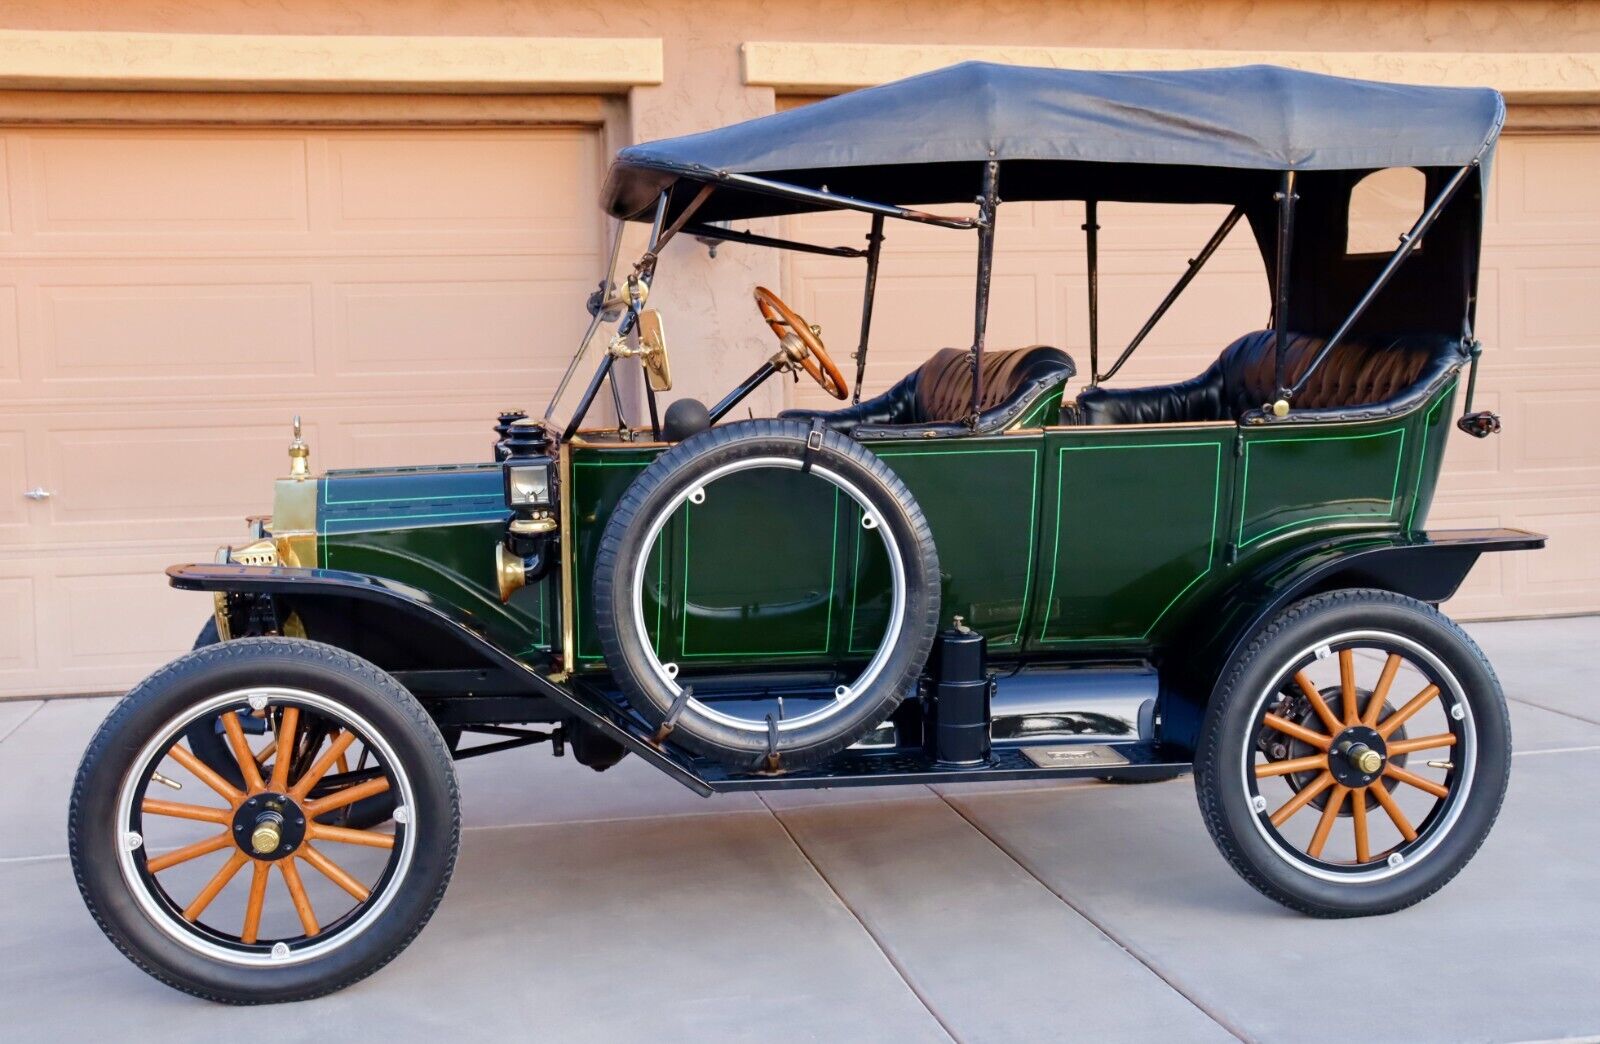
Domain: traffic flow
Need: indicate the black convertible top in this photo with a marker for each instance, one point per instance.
(948, 122)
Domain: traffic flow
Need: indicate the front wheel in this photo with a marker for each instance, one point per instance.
(242, 889)
(1355, 756)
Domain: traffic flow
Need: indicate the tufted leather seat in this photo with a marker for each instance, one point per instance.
(1361, 376)
(937, 396)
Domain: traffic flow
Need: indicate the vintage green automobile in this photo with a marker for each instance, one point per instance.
(982, 573)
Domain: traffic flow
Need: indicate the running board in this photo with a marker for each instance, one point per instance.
(866, 768)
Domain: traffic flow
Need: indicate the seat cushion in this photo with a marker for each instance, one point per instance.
(937, 396)
(1361, 375)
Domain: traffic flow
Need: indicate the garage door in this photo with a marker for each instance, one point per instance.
(170, 297)
(1539, 320)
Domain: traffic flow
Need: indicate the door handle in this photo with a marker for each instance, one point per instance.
(37, 493)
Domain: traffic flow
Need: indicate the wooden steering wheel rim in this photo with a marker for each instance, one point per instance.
(784, 321)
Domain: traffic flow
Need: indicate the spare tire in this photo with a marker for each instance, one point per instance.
(685, 471)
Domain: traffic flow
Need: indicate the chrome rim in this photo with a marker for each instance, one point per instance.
(1329, 742)
(845, 695)
(294, 750)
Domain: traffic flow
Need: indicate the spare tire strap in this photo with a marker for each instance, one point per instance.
(813, 445)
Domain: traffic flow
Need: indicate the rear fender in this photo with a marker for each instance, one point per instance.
(399, 627)
(1427, 566)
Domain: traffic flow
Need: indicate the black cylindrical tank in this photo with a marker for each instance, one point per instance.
(956, 729)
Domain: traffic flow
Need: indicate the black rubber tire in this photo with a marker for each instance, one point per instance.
(93, 834)
(1227, 811)
(681, 468)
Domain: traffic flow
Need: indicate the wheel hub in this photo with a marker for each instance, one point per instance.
(1357, 756)
(269, 826)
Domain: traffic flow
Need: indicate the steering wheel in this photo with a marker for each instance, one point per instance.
(802, 343)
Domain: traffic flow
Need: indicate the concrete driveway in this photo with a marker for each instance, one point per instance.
(621, 907)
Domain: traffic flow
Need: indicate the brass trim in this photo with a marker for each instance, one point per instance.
(510, 572)
(569, 536)
(294, 516)
(1168, 426)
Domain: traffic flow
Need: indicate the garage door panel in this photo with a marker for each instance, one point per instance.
(482, 326)
(533, 188)
(164, 184)
(14, 508)
(1556, 440)
(1566, 576)
(1555, 310)
(10, 337)
(18, 646)
(159, 475)
(1546, 181)
(448, 435)
(113, 612)
(153, 332)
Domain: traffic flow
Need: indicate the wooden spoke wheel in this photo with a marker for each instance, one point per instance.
(245, 887)
(1355, 755)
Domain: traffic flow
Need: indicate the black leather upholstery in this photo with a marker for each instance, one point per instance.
(1362, 378)
(937, 396)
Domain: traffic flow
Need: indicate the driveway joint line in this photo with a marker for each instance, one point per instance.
(12, 731)
(1221, 1020)
(883, 947)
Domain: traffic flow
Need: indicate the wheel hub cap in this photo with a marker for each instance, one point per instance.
(269, 826)
(1358, 756)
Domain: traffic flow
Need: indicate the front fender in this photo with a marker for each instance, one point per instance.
(1426, 566)
(352, 610)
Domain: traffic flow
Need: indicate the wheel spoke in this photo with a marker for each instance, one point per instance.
(1401, 823)
(1381, 693)
(1393, 771)
(1302, 799)
(258, 897)
(266, 752)
(1399, 717)
(178, 810)
(188, 852)
(1318, 704)
(369, 838)
(241, 751)
(217, 883)
(285, 748)
(334, 752)
(1347, 685)
(1358, 816)
(204, 774)
(1330, 813)
(1299, 732)
(1283, 768)
(297, 895)
(1406, 746)
(348, 796)
(334, 872)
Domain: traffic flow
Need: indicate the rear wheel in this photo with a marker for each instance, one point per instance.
(1356, 755)
(249, 892)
